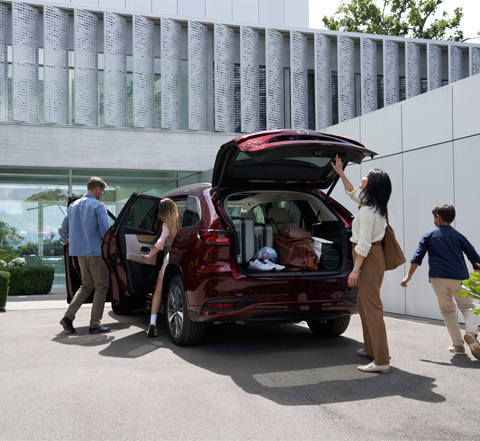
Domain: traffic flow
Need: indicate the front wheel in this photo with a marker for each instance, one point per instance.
(182, 330)
(329, 327)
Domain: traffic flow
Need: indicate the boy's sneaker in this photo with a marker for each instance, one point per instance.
(457, 349)
(471, 340)
(259, 265)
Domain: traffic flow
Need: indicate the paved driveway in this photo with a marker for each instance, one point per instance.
(243, 383)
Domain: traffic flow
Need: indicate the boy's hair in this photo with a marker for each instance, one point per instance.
(95, 182)
(445, 211)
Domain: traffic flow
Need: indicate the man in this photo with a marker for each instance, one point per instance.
(447, 269)
(84, 227)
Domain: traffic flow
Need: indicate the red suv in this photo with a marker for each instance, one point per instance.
(282, 175)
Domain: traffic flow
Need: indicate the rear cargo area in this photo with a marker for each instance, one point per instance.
(307, 236)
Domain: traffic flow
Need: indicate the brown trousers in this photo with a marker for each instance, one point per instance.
(370, 305)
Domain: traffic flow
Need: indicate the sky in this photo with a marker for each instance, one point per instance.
(470, 22)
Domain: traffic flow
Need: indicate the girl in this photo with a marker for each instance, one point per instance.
(368, 230)
(172, 221)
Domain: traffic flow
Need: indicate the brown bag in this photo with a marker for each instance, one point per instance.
(294, 232)
(394, 256)
(295, 254)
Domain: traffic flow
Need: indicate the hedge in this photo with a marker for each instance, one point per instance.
(30, 279)
(4, 278)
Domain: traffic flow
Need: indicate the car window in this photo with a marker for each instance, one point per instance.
(192, 214)
(142, 214)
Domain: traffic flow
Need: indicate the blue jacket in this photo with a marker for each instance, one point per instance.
(84, 225)
(445, 247)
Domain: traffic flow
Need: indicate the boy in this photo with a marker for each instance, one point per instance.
(447, 269)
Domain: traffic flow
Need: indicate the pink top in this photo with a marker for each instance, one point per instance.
(163, 238)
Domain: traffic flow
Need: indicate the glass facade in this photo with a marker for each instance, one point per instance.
(34, 202)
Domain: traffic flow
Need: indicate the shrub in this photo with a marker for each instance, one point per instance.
(4, 278)
(472, 289)
(18, 261)
(3, 264)
(31, 280)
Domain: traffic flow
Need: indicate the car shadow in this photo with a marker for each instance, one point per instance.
(284, 363)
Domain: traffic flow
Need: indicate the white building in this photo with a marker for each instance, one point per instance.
(143, 92)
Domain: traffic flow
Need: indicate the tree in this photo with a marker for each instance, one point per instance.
(400, 18)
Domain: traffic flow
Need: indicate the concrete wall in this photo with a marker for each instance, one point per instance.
(429, 145)
(80, 147)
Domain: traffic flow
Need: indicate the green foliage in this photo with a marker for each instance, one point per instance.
(4, 278)
(31, 280)
(400, 18)
(3, 264)
(472, 289)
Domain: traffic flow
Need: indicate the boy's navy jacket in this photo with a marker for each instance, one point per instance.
(445, 247)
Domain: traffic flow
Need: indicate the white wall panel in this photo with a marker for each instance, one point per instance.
(224, 78)
(274, 54)
(467, 212)
(427, 119)
(412, 54)
(434, 60)
(85, 2)
(164, 6)
(391, 60)
(368, 60)
(143, 72)
(3, 63)
(271, 12)
(298, 80)
(115, 72)
(117, 4)
(465, 110)
(25, 63)
(323, 81)
(436, 188)
(346, 78)
(171, 66)
(382, 131)
(474, 60)
(245, 11)
(454, 64)
(86, 68)
(218, 9)
(138, 5)
(249, 79)
(191, 7)
(56, 70)
(296, 13)
(198, 76)
(392, 294)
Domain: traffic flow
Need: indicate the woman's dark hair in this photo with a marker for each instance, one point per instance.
(376, 193)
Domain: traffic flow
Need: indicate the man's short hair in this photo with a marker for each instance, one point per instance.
(445, 211)
(95, 182)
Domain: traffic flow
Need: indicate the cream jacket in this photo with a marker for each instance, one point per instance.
(367, 227)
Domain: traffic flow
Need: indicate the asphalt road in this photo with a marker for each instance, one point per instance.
(272, 382)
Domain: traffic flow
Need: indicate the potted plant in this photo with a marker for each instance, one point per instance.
(472, 289)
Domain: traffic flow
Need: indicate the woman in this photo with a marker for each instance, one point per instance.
(172, 221)
(368, 230)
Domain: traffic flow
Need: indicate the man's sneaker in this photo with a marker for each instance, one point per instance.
(259, 265)
(457, 349)
(67, 325)
(471, 340)
(99, 330)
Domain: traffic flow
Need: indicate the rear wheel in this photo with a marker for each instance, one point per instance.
(330, 327)
(182, 330)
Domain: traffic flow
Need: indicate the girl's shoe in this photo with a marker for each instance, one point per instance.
(152, 330)
(363, 353)
(372, 367)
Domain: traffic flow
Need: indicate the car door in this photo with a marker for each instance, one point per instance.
(134, 234)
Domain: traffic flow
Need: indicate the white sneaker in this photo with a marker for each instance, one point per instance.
(259, 265)
(274, 266)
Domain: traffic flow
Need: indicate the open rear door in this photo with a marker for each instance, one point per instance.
(133, 235)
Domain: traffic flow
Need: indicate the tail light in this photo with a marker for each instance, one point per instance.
(215, 237)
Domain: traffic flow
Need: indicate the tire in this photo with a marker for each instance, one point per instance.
(181, 329)
(330, 327)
